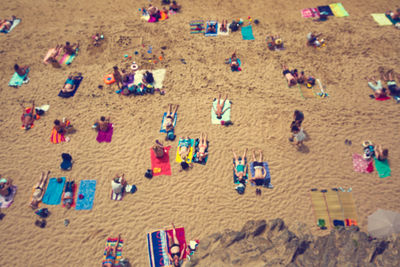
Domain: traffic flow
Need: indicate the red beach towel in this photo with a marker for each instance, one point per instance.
(160, 166)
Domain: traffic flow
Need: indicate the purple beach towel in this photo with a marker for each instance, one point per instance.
(105, 136)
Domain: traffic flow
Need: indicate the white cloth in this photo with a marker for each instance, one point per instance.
(309, 36)
(117, 187)
(300, 136)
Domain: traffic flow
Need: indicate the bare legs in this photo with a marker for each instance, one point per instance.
(261, 156)
(43, 180)
(173, 239)
(203, 139)
(242, 162)
(170, 112)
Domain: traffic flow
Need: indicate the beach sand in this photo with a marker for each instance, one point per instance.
(203, 200)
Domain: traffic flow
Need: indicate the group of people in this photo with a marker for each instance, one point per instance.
(380, 92)
(274, 42)
(155, 13)
(53, 53)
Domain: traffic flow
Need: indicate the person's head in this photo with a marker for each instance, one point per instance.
(16, 67)
(102, 118)
(67, 43)
(385, 152)
(68, 205)
(116, 180)
(115, 68)
(184, 165)
(34, 204)
(295, 129)
(174, 3)
(219, 117)
(297, 113)
(57, 122)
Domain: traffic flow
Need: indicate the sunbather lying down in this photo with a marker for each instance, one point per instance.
(291, 80)
(259, 170)
(70, 85)
(212, 27)
(111, 254)
(39, 191)
(376, 86)
(220, 107)
(52, 54)
(240, 166)
(68, 194)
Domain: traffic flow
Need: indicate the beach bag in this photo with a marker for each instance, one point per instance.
(234, 26)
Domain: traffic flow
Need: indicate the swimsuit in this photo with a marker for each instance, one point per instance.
(177, 253)
(240, 168)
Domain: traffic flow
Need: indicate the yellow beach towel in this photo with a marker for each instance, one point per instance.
(190, 155)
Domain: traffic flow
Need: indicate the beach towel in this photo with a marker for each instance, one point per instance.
(326, 9)
(77, 82)
(381, 19)
(348, 206)
(246, 176)
(17, 80)
(117, 197)
(35, 116)
(67, 59)
(163, 15)
(160, 166)
(338, 10)
(319, 207)
(334, 206)
(190, 155)
(310, 13)
(85, 198)
(196, 151)
(180, 235)
(221, 32)
(394, 21)
(208, 34)
(73, 204)
(112, 242)
(105, 136)
(227, 114)
(57, 137)
(13, 25)
(197, 26)
(158, 76)
(267, 180)
(54, 190)
(247, 33)
(361, 165)
(306, 92)
(382, 167)
(163, 130)
(6, 202)
(382, 98)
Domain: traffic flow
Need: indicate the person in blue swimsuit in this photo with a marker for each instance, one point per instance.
(240, 166)
(111, 254)
(70, 83)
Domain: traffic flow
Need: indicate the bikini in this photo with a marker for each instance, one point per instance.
(240, 168)
(175, 254)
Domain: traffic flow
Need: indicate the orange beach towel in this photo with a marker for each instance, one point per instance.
(57, 137)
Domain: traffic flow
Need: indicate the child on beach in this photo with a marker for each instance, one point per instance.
(298, 136)
(39, 191)
(298, 118)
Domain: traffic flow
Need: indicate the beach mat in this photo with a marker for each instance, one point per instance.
(381, 19)
(361, 165)
(73, 204)
(326, 9)
(160, 166)
(382, 167)
(57, 137)
(305, 92)
(163, 130)
(158, 76)
(54, 191)
(227, 114)
(190, 155)
(334, 206)
(319, 207)
(247, 33)
(87, 189)
(194, 26)
(112, 242)
(310, 13)
(235, 178)
(156, 244)
(348, 206)
(338, 10)
(13, 25)
(216, 28)
(105, 136)
(17, 80)
(71, 94)
(196, 150)
(267, 180)
(6, 202)
(221, 32)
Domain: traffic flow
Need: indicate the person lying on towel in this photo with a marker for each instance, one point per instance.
(111, 254)
(175, 254)
(240, 166)
(202, 147)
(234, 62)
(62, 127)
(21, 71)
(68, 194)
(376, 86)
(259, 170)
(169, 122)
(224, 25)
(5, 25)
(28, 117)
(102, 124)
(38, 192)
(158, 149)
(212, 28)
(5, 187)
(291, 80)
(220, 107)
(70, 83)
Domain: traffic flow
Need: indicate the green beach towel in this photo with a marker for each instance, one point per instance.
(247, 33)
(338, 10)
(17, 80)
(225, 117)
(382, 167)
(381, 19)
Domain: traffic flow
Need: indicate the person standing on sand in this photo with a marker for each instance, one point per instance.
(117, 77)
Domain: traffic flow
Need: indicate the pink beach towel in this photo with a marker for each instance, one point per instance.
(180, 234)
(160, 166)
(310, 12)
(105, 136)
(362, 165)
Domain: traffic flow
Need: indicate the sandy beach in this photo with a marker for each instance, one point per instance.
(203, 199)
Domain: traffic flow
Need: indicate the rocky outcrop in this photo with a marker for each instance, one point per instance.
(261, 243)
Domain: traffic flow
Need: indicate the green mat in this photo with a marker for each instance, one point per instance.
(338, 10)
(382, 167)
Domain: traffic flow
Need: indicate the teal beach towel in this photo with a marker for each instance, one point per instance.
(235, 178)
(247, 33)
(54, 191)
(85, 197)
(163, 130)
(382, 168)
(17, 80)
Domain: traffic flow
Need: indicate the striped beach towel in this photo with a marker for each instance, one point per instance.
(112, 242)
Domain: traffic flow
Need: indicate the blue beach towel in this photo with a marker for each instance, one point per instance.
(13, 25)
(162, 130)
(235, 178)
(196, 148)
(267, 182)
(247, 33)
(216, 28)
(87, 189)
(17, 80)
(54, 191)
(326, 9)
(71, 94)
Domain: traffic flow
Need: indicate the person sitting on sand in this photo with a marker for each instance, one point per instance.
(379, 91)
(224, 26)
(5, 187)
(21, 71)
(300, 78)
(61, 127)
(391, 83)
(117, 77)
(381, 154)
(118, 184)
(312, 39)
(111, 254)
(70, 83)
(68, 194)
(174, 6)
(38, 192)
(270, 42)
(240, 166)
(70, 49)
(298, 136)
(28, 118)
(175, 254)
(5, 25)
(169, 122)
(220, 107)
(102, 124)
(147, 78)
(212, 28)
(259, 170)
(201, 154)
(291, 80)
(158, 149)
(184, 148)
(394, 15)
